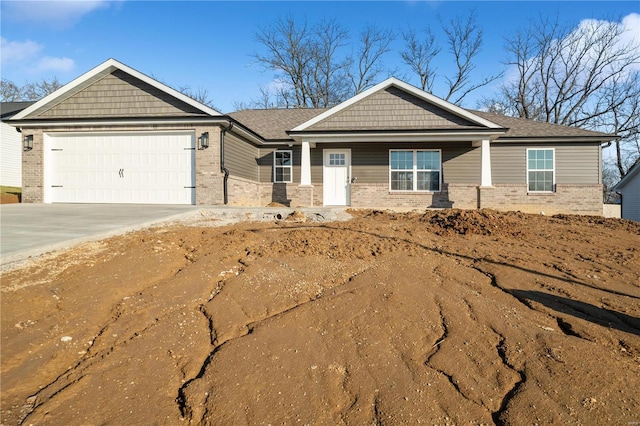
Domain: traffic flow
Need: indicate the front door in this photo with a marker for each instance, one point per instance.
(336, 177)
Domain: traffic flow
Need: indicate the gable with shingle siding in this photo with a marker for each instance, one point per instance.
(119, 94)
(390, 109)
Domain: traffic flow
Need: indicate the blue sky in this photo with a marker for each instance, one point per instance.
(208, 45)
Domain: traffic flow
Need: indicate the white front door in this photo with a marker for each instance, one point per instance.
(145, 168)
(336, 177)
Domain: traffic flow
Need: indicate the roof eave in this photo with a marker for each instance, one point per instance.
(548, 139)
(627, 178)
(418, 135)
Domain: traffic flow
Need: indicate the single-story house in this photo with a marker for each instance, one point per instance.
(115, 135)
(629, 190)
(10, 145)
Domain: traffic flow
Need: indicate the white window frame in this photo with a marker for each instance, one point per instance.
(552, 170)
(280, 166)
(415, 170)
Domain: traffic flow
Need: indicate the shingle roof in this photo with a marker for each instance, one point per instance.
(272, 124)
(9, 109)
(522, 127)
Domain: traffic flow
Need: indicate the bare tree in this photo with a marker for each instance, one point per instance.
(367, 64)
(584, 76)
(316, 63)
(326, 77)
(464, 41)
(10, 92)
(419, 54)
(289, 53)
(200, 94)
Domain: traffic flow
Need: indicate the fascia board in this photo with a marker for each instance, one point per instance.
(627, 178)
(395, 137)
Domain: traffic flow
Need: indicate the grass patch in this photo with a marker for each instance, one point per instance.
(10, 190)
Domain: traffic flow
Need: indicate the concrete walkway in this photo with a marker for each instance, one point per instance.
(32, 229)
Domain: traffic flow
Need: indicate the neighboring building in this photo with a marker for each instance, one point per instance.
(115, 135)
(11, 145)
(629, 190)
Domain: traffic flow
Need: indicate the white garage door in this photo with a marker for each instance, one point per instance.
(145, 168)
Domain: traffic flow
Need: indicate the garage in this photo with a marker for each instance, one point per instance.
(120, 167)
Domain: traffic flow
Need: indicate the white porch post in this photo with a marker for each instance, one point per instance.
(485, 152)
(305, 166)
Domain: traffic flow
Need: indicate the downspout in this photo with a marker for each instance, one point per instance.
(225, 190)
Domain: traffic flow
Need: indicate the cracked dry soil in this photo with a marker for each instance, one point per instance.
(447, 317)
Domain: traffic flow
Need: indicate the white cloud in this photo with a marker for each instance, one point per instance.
(55, 14)
(12, 52)
(50, 64)
(631, 24)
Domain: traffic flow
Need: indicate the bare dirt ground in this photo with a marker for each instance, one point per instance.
(439, 317)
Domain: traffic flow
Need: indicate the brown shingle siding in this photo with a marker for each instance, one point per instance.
(119, 95)
(391, 109)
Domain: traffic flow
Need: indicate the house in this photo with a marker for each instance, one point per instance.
(629, 190)
(114, 135)
(11, 145)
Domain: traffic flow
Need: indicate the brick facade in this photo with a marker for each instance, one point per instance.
(571, 199)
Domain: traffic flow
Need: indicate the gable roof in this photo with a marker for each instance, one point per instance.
(108, 68)
(468, 118)
(631, 174)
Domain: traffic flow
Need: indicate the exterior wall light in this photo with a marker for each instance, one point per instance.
(204, 140)
(27, 143)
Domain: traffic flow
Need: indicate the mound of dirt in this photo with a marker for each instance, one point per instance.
(437, 317)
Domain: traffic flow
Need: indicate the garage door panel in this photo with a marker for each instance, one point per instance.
(154, 168)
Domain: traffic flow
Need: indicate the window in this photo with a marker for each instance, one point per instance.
(337, 159)
(540, 170)
(414, 170)
(282, 166)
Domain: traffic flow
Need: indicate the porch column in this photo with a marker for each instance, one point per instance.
(485, 153)
(305, 165)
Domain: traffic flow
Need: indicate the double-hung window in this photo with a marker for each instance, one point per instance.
(540, 170)
(414, 170)
(282, 166)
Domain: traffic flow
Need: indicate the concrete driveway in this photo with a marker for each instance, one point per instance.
(32, 229)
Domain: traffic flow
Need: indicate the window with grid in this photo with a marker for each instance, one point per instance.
(414, 170)
(540, 170)
(282, 166)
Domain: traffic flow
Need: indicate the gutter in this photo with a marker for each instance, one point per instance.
(225, 189)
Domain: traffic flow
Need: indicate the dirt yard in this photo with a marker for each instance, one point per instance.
(440, 317)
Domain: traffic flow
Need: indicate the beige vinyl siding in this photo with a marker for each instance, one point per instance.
(391, 108)
(575, 163)
(461, 163)
(119, 95)
(241, 157)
